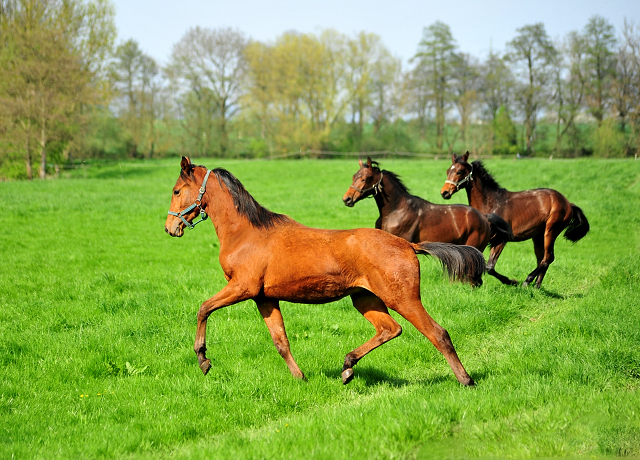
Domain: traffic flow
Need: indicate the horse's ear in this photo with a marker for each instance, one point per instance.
(465, 157)
(185, 164)
(360, 161)
(454, 157)
(369, 162)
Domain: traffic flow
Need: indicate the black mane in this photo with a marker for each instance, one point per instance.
(258, 215)
(393, 176)
(487, 179)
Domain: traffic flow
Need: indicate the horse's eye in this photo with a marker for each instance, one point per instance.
(176, 192)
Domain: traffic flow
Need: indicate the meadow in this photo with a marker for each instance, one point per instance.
(98, 311)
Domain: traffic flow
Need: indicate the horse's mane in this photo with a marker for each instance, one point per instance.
(258, 215)
(391, 175)
(485, 176)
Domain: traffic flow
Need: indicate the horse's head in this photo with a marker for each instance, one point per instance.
(186, 202)
(459, 175)
(366, 182)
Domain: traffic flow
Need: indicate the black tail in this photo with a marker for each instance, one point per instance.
(579, 225)
(462, 263)
(500, 230)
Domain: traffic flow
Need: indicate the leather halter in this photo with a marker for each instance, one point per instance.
(375, 188)
(196, 204)
(468, 178)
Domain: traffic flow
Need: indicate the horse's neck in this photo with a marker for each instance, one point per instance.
(231, 227)
(480, 197)
(390, 197)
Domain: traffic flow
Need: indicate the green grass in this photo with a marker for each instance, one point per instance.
(98, 309)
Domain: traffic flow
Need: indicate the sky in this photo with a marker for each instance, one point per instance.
(477, 26)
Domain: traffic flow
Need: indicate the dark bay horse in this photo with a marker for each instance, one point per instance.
(418, 220)
(268, 257)
(540, 214)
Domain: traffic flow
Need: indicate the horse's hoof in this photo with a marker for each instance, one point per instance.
(469, 383)
(513, 282)
(205, 366)
(347, 376)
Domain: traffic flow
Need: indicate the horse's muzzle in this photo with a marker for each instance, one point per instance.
(445, 194)
(178, 231)
(348, 201)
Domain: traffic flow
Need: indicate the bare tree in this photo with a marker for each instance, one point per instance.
(208, 67)
(533, 54)
(600, 65)
(435, 57)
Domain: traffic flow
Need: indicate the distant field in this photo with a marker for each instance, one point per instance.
(98, 309)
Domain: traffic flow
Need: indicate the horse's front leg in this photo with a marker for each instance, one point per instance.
(232, 293)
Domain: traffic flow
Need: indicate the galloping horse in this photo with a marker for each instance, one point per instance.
(418, 220)
(268, 257)
(540, 214)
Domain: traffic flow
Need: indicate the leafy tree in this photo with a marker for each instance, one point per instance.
(533, 54)
(49, 70)
(505, 133)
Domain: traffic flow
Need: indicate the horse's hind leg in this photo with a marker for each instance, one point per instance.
(375, 311)
(415, 313)
(493, 259)
(543, 246)
(270, 311)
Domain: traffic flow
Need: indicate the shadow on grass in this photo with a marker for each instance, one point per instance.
(555, 295)
(374, 377)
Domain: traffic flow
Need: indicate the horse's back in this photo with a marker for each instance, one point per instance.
(455, 224)
(310, 265)
(531, 211)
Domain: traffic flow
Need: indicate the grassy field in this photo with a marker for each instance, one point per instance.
(98, 309)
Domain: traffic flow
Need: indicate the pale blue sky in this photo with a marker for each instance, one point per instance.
(158, 24)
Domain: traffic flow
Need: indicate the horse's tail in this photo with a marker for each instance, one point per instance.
(462, 263)
(579, 225)
(500, 230)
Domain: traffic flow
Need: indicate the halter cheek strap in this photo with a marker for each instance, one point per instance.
(376, 188)
(196, 204)
(457, 185)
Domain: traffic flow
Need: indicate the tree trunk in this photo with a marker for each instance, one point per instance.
(43, 152)
(28, 159)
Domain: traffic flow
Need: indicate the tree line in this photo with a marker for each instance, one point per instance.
(68, 92)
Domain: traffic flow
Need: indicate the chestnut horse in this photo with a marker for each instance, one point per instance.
(268, 257)
(540, 214)
(418, 220)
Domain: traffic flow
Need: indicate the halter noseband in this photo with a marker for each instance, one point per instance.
(376, 188)
(196, 204)
(468, 178)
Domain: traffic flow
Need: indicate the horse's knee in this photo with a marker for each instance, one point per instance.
(444, 341)
(391, 331)
(281, 346)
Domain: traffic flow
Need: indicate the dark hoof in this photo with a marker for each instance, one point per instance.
(347, 376)
(205, 366)
(469, 383)
(513, 282)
